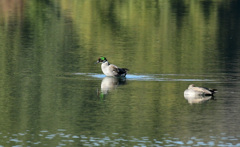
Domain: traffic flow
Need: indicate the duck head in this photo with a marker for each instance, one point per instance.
(101, 60)
(190, 86)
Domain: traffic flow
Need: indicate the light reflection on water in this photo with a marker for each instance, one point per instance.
(148, 109)
(62, 138)
(189, 117)
(149, 77)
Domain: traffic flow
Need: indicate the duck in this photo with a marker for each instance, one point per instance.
(194, 90)
(111, 69)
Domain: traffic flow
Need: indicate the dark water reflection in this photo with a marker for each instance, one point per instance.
(132, 113)
(52, 93)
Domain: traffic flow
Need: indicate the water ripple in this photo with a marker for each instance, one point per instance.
(115, 139)
(152, 77)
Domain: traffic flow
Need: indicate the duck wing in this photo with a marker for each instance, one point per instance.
(117, 71)
(122, 71)
(211, 90)
(114, 69)
(202, 89)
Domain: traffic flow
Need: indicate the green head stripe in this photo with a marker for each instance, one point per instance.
(102, 58)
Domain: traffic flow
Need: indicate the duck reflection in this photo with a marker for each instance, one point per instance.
(109, 84)
(197, 98)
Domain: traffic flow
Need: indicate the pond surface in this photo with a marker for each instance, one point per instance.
(52, 93)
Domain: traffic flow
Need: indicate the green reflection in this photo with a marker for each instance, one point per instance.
(44, 43)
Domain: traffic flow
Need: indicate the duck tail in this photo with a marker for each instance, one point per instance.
(125, 69)
(213, 90)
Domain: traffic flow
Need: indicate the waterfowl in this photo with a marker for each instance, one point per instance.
(110, 69)
(193, 90)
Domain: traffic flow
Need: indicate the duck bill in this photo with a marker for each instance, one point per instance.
(97, 62)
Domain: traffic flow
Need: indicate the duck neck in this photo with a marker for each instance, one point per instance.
(105, 64)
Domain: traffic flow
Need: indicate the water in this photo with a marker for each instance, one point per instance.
(52, 93)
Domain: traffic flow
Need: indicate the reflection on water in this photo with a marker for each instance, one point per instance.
(156, 77)
(110, 83)
(166, 44)
(163, 77)
(197, 98)
(62, 138)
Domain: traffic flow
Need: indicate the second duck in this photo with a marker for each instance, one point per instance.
(194, 90)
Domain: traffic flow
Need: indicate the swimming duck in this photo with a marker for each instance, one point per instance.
(193, 90)
(110, 69)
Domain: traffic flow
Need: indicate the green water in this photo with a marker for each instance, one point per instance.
(52, 93)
